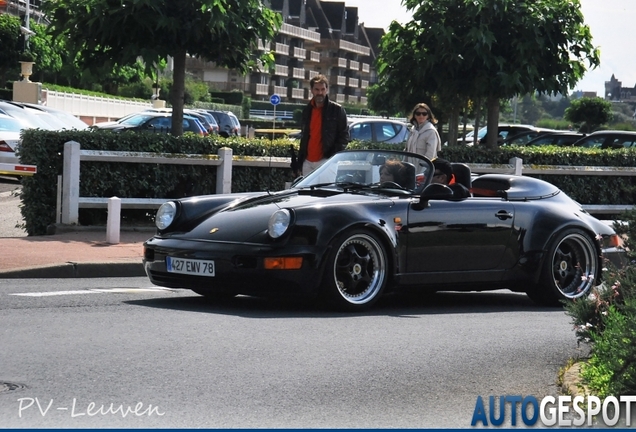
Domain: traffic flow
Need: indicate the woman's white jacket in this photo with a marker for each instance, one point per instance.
(424, 140)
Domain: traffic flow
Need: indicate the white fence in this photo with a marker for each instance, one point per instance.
(92, 106)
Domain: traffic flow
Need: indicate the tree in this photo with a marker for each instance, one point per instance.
(588, 114)
(9, 41)
(116, 32)
(491, 49)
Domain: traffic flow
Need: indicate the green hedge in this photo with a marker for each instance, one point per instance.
(130, 180)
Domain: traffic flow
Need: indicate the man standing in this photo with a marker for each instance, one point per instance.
(324, 130)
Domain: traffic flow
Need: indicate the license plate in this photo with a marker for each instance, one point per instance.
(190, 266)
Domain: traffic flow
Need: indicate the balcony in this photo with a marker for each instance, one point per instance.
(363, 100)
(279, 90)
(340, 98)
(314, 56)
(281, 70)
(297, 93)
(299, 53)
(290, 30)
(342, 62)
(311, 74)
(354, 65)
(366, 67)
(262, 46)
(364, 84)
(280, 48)
(354, 82)
(355, 48)
(261, 89)
(337, 80)
(298, 73)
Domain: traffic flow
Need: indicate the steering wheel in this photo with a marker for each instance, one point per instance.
(391, 185)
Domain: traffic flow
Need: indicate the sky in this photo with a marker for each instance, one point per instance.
(612, 24)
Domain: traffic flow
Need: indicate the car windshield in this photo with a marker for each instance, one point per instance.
(377, 169)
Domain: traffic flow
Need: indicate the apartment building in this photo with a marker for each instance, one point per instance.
(316, 37)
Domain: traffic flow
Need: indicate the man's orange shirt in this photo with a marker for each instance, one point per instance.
(314, 146)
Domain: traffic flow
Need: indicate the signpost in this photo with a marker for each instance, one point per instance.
(274, 100)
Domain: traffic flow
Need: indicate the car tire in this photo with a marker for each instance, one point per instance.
(356, 271)
(570, 269)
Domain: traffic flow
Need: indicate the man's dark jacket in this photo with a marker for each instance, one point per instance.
(335, 132)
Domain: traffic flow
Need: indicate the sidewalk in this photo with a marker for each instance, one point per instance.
(75, 252)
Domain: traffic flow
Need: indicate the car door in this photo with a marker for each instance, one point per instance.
(459, 236)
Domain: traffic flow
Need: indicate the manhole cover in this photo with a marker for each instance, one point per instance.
(7, 386)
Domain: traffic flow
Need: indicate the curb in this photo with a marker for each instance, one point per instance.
(572, 383)
(78, 270)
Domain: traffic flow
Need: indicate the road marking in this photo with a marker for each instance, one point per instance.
(52, 293)
(95, 291)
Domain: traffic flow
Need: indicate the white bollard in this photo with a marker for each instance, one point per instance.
(113, 221)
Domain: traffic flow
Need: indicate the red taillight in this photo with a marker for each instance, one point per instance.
(4, 147)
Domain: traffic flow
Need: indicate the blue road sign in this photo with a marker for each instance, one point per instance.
(274, 99)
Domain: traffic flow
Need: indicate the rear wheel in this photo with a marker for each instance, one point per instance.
(356, 271)
(570, 269)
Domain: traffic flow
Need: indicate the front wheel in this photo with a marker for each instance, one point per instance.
(570, 269)
(356, 271)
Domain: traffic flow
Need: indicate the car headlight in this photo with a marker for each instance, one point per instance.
(165, 215)
(278, 223)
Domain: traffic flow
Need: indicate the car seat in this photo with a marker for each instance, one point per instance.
(462, 175)
(409, 176)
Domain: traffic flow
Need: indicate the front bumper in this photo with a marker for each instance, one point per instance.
(238, 267)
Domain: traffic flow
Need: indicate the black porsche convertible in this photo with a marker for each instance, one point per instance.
(347, 234)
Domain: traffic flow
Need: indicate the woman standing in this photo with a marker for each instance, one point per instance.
(424, 138)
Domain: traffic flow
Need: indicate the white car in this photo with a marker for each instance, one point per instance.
(379, 130)
(9, 139)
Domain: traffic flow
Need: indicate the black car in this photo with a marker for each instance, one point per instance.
(608, 139)
(523, 138)
(504, 131)
(157, 122)
(561, 139)
(343, 236)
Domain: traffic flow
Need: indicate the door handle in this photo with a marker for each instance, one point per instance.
(503, 215)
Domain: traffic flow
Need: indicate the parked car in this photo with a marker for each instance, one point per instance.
(152, 122)
(341, 235)
(30, 118)
(562, 139)
(229, 124)
(505, 131)
(379, 130)
(522, 138)
(68, 119)
(608, 139)
(207, 120)
(9, 139)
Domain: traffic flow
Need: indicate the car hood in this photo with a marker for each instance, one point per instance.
(247, 220)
